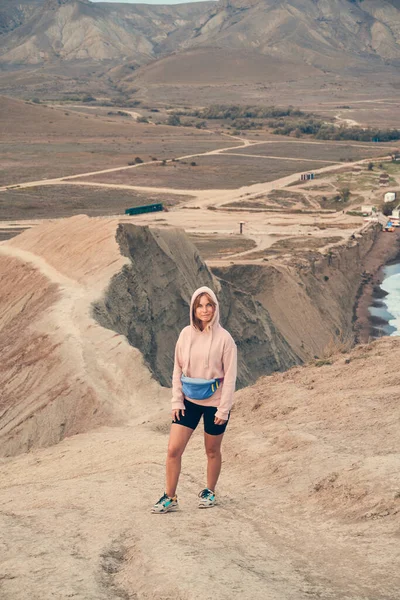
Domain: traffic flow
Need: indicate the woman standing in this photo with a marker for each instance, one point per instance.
(203, 384)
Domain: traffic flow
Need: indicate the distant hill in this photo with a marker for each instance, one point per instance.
(204, 41)
(316, 31)
(13, 14)
(71, 30)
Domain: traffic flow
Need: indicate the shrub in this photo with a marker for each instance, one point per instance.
(388, 207)
(344, 193)
(193, 164)
(173, 120)
(322, 362)
(138, 160)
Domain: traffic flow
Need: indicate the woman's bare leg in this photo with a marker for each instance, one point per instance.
(178, 439)
(214, 458)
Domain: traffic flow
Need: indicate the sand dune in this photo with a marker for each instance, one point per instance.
(62, 373)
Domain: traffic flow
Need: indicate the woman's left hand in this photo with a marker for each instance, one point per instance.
(218, 421)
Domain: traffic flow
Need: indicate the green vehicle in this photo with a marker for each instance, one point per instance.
(147, 208)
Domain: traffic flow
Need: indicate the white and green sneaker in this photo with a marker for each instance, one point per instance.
(165, 504)
(207, 498)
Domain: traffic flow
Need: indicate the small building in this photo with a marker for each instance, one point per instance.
(368, 209)
(307, 176)
(390, 197)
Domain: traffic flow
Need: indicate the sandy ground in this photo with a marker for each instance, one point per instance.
(308, 499)
(61, 372)
(309, 495)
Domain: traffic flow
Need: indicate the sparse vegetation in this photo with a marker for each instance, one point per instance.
(344, 193)
(287, 121)
(388, 207)
(322, 362)
(118, 113)
(234, 112)
(137, 161)
(174, 120)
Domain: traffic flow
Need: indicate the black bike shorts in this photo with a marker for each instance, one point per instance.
(193, 414)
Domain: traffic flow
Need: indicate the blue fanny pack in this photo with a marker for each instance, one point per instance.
(199, 389)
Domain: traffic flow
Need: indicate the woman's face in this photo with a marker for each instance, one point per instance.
(205, 310)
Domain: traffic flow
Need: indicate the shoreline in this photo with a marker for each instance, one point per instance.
(385, 251)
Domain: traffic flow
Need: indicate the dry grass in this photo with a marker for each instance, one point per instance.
(335, 152)
(68, 200)
(41, 142)
(219, 246)
(210, 172)
(294, 245)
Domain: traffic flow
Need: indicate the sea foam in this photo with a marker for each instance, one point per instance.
(391, 285)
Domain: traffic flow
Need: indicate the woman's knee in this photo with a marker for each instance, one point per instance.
(175, 451)
(213, 453)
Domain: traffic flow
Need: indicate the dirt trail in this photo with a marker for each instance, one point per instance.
(244, 143)
(308, 499)
(78, 374)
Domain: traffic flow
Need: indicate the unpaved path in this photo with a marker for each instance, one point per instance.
(244, 143)
(307, 500)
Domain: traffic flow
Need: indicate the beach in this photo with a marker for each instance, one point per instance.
(370, 314)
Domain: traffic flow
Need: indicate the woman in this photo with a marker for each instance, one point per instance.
(206, 352)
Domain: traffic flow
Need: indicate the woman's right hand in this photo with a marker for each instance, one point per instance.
(176, 414)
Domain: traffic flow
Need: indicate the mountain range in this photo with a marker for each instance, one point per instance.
(141, 44)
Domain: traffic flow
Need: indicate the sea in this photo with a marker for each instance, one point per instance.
(385, 310)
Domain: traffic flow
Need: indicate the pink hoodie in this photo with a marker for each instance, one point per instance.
(206, 354)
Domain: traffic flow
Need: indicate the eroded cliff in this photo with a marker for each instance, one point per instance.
(149, 300)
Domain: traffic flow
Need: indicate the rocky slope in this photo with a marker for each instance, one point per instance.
(60, 372)
(64, 371)
(311, 297)
(320, 32)
(337, 36)
(14, 14)
(69, 30)
(149, 304)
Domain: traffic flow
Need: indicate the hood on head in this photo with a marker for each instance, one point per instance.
(198, 292)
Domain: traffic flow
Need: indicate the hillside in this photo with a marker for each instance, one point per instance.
(309, 494)
(112, 48)
(320, 33)
(309, 498)
(70, 30)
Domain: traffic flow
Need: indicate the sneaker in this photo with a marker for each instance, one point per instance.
(207, 498)
(165, 504)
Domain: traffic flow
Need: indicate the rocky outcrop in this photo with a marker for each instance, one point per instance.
(317, 33)
(149, 302)
(310, 298)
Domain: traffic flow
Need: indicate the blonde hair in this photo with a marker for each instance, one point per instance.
(196, 322)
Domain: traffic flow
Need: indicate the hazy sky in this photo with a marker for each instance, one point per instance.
(150, 1)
